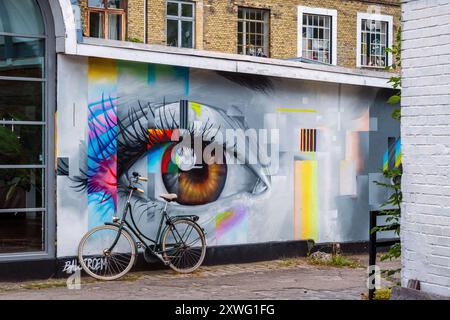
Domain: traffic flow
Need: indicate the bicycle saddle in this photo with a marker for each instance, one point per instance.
(169, 197)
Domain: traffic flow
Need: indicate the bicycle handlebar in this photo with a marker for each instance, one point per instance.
(137, 177)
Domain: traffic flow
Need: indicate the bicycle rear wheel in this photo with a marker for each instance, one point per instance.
(184, 246)
(96, 259)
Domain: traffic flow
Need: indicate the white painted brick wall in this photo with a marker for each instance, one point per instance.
(426, 144)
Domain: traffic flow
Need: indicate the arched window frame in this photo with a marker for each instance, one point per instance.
(48, 78)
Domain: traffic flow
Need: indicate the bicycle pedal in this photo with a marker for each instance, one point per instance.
(150, 257)
(160, 257)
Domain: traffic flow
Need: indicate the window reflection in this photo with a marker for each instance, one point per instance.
(21, 144)
(21, 188)
(115, 26)
(21, 232)
(96, 24)
(21, 17)
(21, 57)
(180, 24)
(21, 100)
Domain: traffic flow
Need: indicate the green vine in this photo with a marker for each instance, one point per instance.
(392, 206)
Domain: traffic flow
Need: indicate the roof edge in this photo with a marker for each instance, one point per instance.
(93, 47)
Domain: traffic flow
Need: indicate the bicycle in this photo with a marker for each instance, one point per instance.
(109, 251)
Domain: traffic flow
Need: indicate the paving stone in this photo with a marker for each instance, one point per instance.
(266, 280)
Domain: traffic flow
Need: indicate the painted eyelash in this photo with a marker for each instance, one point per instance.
(103, 147)
(134, 136)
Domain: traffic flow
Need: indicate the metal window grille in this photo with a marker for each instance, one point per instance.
(374, 41)
(316, 37)
(253, 32)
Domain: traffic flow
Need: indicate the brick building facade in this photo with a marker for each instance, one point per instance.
(216, 24)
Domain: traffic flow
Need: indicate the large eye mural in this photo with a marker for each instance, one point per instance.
(151, 137)
(140, 118)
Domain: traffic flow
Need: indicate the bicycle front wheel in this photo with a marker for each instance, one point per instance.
(184, 246)
(101, 258)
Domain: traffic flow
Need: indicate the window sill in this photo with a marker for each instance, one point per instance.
(371, 68)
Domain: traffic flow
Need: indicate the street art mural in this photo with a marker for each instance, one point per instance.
(311, 151)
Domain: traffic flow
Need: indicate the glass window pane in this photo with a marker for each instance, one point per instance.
(186, 35)
(22, 232)
(21, 188)
(96, 24)
(259, 28)
(172, 33)
(21, 101)
(240, 13)
(21, 57)
(172, 9)
(22, 17)
(116, 4)
(115, 26)
(21, 144)
(187, 10)
(254, 31)
(96, 3)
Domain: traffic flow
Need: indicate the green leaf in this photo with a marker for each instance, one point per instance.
(395, 99)
(396, 114)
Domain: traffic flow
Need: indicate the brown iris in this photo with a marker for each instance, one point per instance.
(200, 185)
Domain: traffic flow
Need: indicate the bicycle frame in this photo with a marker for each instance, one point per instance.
(134, 229)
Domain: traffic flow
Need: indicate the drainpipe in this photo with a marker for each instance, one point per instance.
(145, 21)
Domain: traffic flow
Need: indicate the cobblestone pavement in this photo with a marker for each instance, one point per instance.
(279, 279)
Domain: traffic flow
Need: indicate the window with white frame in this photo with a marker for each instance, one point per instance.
(180, 24)
(317, 30)
(374, 36)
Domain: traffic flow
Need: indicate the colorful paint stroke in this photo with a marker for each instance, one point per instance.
(197, 108)
(232, 226)
(308, 140)
(160, 147)
(102, 141)
(169, 74)
(305, 200)
(398, 153)
(392, 157)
